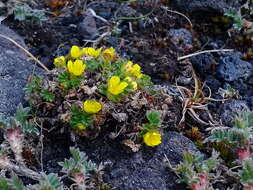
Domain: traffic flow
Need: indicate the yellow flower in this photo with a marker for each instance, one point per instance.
(81, 126)
(128, 66)
(132, 82)
(77, 68)
(152, 138)
(91, 106)
(60, 61)
(116, 87)
(92, 52)
(109, 54)
(75, 52)
(135, 69)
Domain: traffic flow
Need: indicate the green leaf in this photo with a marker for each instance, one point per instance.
(188, 158)
(78, 116)
(75, 154)
(3, 121)
(24, 12)
(92, 64)
(145, 81)
(103, 89)
(231, 13)
(52, 180)
(30, 128)
(212, 162)
(236, 16)
(75, 81)
(69, 81)
(22, 113)
(154, 118)
(33, 85)
(47, 96)
(16, 183)
(246, 174)
(77, 163)
(4, 184)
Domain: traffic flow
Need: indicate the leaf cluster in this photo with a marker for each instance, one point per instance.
(246, 174)
(19, 120)
(24, 12)
(79, 117)
(47, 182)
(154, 121)
(194, 164)
(239, 135)
(35, 86)
(68, 81)
(237, 18)
(78, 163)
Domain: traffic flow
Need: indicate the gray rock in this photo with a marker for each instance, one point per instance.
(203, 63)
(127, 11)
(236, 72)
(147, 169)
(250, 102)
(14, 71)
(214, 6)
(229, 109)
(88, 27)
(181, 38)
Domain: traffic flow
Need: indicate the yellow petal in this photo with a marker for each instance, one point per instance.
(152, 138)
(70, 66)
(114, 81)
(77, 68)
(128, 66)
(122, 87)
(60, 61)
(109, 54)
(136, 70)
(75, 52)
(88, 51)
(92, 106)
(81, 126)
(135, 85)
(116, 87)
(128, 79)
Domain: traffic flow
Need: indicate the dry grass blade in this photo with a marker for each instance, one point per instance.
(26, 51)
(196, 100)
(202, 52)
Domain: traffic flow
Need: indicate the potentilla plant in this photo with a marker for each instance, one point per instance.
(92, 88)
(196, 172)
(238, 138)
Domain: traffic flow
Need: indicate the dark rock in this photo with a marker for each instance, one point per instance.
(212, 83)
(87, 27)
(147, 169)
(105, 10)
(196, 6)
(233, 70)
(229, 109)
(14, 71)
(127, 11)
(203, 63)
(250, 102)
(181, 38)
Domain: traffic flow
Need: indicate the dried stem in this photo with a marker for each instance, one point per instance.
(181, 14)
(26, 51)
(5, 163)
(202, 52)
